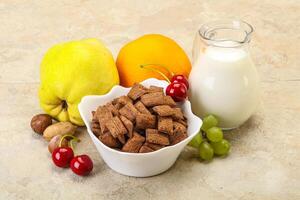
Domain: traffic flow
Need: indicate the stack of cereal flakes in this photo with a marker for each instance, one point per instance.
(143, 121)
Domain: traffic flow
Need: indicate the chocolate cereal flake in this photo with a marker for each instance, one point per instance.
(116, 127)
(95, 126)
(134, 144)
(107, 139)
(122, 139)
(129, 111)
(112, 109)
(153, 99)
(153, 136)
(176, 138)
(179, 128)
(128, 124)
(155, 89)
(167, 100)
(145, 149)
(165, 125)
(123, 100)
(177, 114)
(163, 110)
(137, 91)
(155, 147)
(104, 115)
(183, 122)
(180, 133)
(144, 121)
(141, 108)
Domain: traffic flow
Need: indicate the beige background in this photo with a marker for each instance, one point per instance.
(265, 158)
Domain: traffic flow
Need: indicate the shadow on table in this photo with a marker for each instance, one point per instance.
(251, 127)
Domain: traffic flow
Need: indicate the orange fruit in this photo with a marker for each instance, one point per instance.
(151, 49)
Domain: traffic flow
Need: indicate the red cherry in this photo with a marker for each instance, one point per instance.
(62, 156)
(180, 79)
(177, 91)
(81, 165)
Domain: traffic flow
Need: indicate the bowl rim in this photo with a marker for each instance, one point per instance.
(167, 148)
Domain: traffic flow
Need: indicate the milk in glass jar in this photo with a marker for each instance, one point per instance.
(224, 80)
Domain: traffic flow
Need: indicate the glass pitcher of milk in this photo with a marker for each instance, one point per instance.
(224, 80)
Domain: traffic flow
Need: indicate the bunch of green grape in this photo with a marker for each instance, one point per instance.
(209, 141)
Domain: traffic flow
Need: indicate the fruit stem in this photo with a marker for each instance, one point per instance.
(71, 136)
(71, 144)
(163, 66)
(156, 70)
(64, 105)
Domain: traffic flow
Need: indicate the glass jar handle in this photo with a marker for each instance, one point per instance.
(196, 48)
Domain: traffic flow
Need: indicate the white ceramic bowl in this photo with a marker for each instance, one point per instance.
(137, 164)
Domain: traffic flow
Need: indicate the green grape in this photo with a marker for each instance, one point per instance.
(208, 122)
(221, 148)
(196, 141)
(214, 134)
(206, 152)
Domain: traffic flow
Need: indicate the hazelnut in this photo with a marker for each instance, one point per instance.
(54, 143)
(40, 122)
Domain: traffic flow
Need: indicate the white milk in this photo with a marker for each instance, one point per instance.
(224, 82)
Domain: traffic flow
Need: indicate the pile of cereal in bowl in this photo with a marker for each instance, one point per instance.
(145, 120)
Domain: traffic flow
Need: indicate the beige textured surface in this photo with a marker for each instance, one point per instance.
(265, 158)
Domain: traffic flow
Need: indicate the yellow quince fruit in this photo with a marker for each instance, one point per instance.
(72, 70)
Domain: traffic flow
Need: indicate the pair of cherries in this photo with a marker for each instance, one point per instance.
(178, 88)
(178, 85)
(64, 157)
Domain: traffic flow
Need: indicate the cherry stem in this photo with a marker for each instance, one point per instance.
(163, 66)
(71, 142)
(157, 71)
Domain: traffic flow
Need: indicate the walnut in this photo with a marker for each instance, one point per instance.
(40, 122)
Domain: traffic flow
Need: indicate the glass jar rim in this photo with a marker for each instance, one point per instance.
(233, 24)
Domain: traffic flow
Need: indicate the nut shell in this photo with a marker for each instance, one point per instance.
(54, 143)
(60, 128)
(40, 122)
